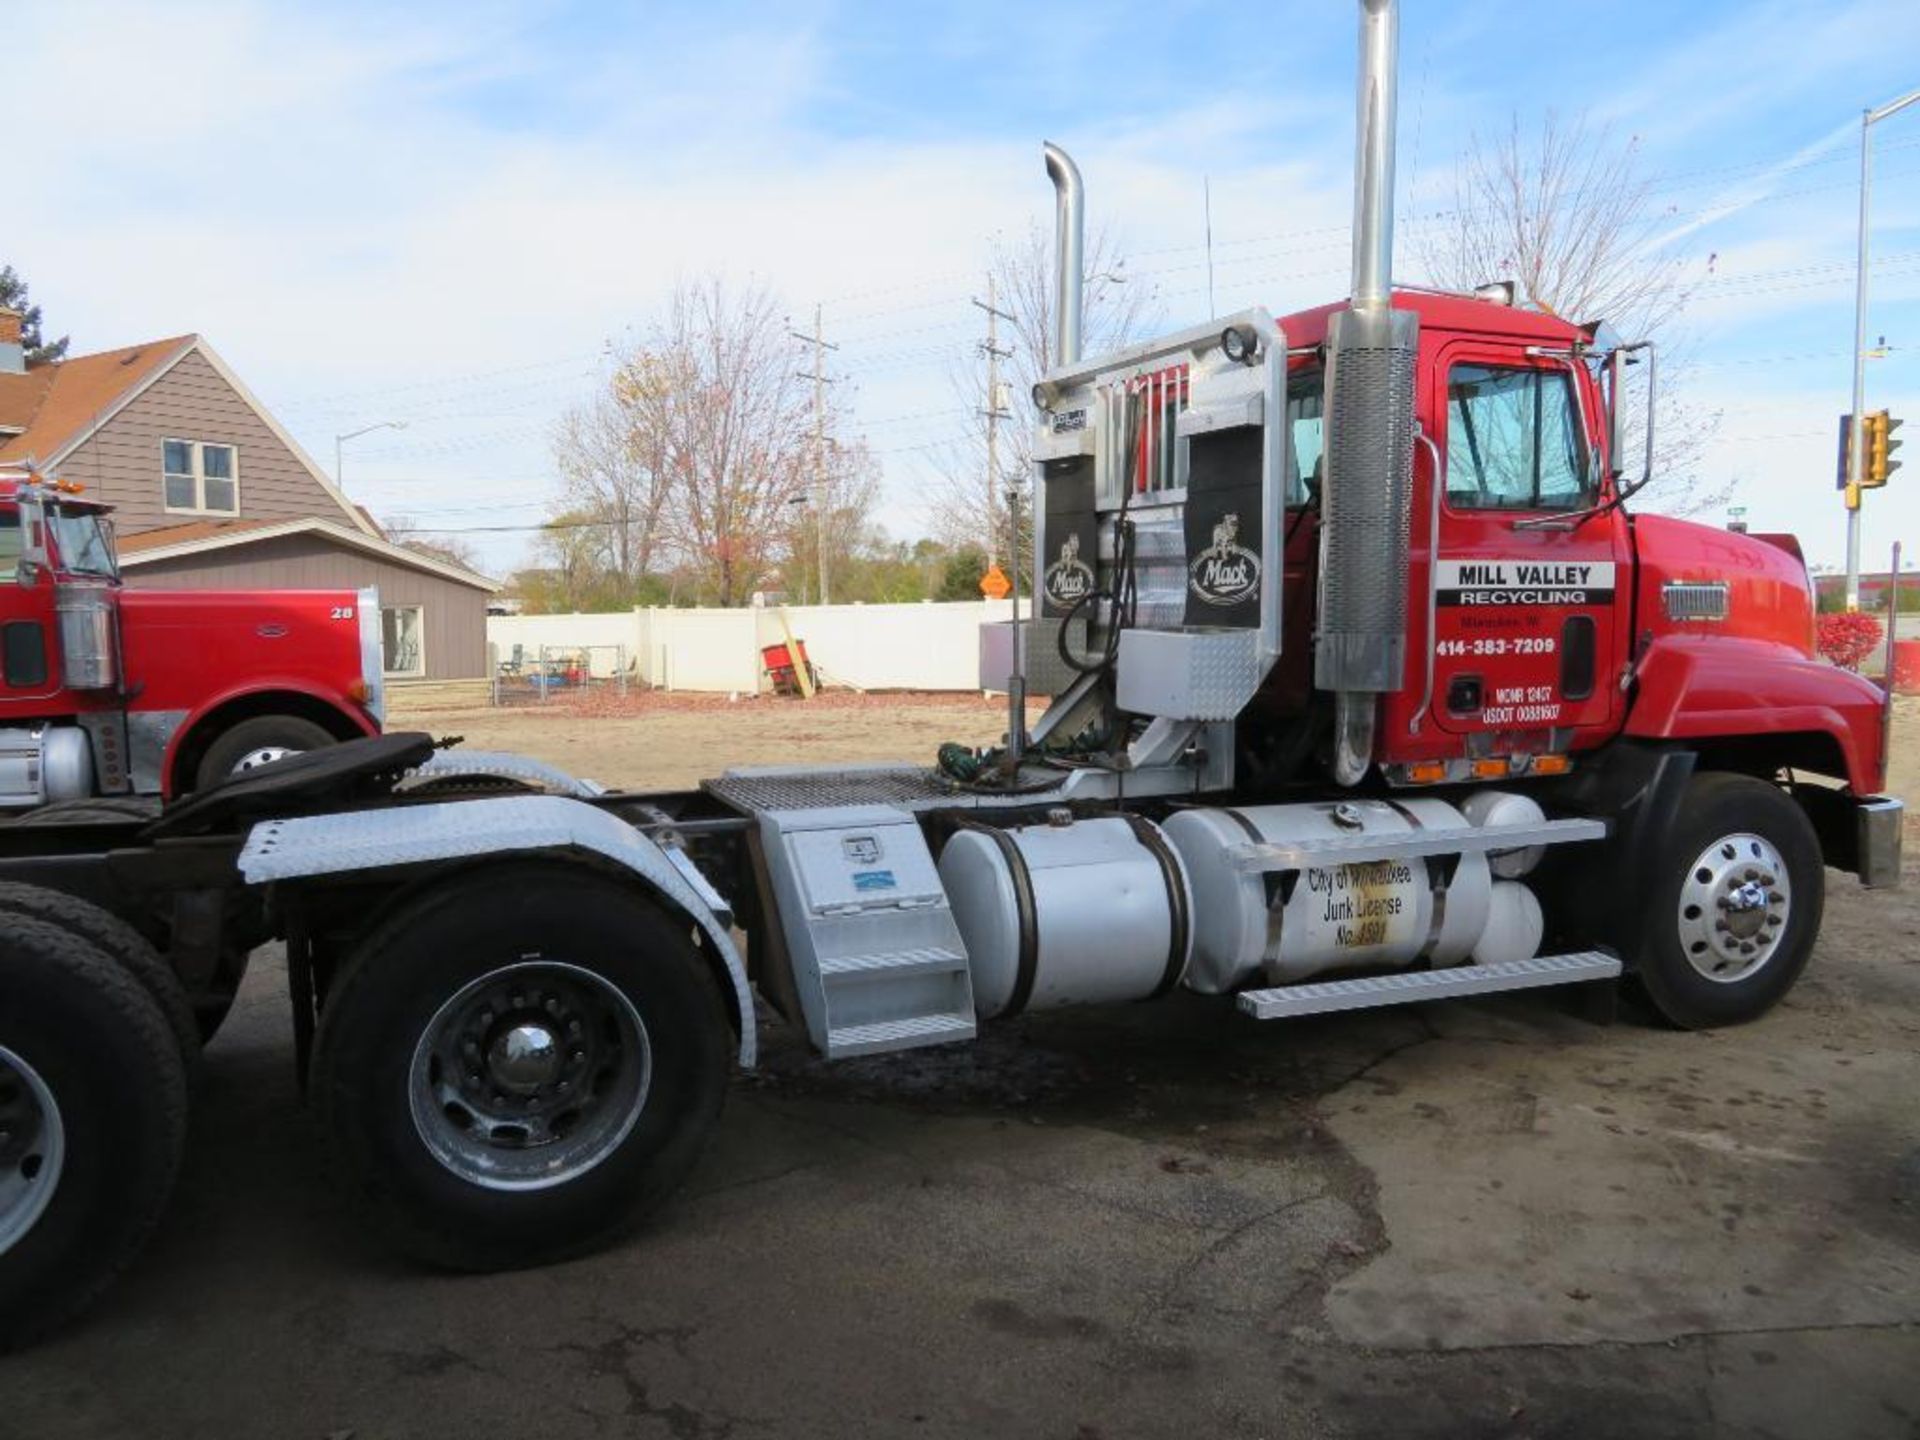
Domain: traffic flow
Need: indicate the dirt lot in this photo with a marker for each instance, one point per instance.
(1472, 1219)
(662, 742)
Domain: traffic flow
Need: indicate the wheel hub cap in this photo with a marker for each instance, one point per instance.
(1734, 906)
(525, 1058)
(32, 1147)
(529, 1076)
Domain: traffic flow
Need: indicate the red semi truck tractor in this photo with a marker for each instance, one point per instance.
(106, 691)
(1368, 688)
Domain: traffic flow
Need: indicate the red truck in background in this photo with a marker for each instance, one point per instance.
(110, 691)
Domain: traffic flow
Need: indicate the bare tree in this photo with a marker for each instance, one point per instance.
(450, 549)
(613, 454)
(1569, 215)
(968, 507)
(835, 513)
(695, 457)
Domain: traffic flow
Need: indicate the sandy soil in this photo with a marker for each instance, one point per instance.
(658, 742)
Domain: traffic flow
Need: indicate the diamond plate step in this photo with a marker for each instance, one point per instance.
(1409, 987)
(897, 1035)
(931, 960)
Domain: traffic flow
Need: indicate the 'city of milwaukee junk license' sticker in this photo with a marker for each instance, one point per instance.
(1524, 582)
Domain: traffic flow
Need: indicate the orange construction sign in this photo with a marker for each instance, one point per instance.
(994, 584)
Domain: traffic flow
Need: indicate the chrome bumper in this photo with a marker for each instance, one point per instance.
(1878, 822)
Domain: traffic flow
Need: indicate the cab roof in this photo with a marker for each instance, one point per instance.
(1444, 310)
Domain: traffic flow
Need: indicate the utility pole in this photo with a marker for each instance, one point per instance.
(1856, 446)
(995, 413)
(820, 382)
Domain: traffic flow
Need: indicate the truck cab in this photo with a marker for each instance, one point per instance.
(1545, 619)
(106, 691)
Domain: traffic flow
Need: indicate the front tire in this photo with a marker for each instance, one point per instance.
(1735, 904)
(256, 742)
(93, 1108)
(519, 1065)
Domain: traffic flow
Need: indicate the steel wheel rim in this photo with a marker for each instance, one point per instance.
(1734, 907)
(33, 1148)
(262, 755)
(529, 1076)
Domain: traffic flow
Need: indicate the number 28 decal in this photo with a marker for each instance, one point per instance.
(342, 612)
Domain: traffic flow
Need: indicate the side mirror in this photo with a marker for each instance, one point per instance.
(1617, 362)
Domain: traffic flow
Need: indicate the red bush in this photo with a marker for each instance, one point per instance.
(1847, 638)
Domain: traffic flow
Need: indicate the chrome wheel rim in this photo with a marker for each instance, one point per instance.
(530, 1076)
(262, 755)
(33, 1148)
(1734, 907)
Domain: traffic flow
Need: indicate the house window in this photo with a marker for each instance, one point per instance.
(402, 640)
(201, 478)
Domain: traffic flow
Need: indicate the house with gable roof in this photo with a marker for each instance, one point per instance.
(211, 492)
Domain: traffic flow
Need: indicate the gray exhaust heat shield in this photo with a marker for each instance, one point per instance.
(1366, 500)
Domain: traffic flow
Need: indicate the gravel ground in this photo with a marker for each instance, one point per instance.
(1491, 1218)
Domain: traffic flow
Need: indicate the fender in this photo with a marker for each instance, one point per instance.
(373, 840)
(1705, 687)
(334, 700)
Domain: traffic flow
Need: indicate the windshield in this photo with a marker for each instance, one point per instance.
(84, 545)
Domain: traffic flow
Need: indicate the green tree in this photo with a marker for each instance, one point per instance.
(13, 296)
(965, 568)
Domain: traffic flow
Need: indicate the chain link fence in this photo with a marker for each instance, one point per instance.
(556, 674)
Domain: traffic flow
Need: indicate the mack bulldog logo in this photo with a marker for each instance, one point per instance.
(1068, 578)
(1226, 572)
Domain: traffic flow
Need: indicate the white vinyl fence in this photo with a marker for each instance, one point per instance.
(925, 646)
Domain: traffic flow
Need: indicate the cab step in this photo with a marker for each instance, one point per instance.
(1408, 987)
(887, 1035)
(928, 960)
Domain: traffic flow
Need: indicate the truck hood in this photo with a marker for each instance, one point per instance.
(1768, 593)
(187, 649)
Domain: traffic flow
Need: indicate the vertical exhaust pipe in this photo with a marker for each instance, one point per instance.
(1069, 250)
(1367, 496)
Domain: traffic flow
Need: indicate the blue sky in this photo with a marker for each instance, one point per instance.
(443, 213)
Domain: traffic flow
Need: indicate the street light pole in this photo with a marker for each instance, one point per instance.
(1856, 468)
(339, 443)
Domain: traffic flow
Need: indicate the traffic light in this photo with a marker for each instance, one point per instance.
(1876, 440)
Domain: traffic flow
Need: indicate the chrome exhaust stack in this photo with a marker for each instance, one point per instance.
(1069, 250)
(1366, 499)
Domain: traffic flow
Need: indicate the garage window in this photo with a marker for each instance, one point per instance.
(403, 641)
(200, 478)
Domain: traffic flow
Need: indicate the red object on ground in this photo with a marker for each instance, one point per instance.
(1906, 667)
(779, 664)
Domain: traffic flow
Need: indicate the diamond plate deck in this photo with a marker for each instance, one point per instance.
(828, 787)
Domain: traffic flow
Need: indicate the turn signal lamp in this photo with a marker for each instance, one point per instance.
(1551, 765)
(358, 691)
(1427, 772)
(1490, 769)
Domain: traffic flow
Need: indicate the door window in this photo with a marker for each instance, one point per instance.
(9, 546)
(1305, 395)
(1513, 440)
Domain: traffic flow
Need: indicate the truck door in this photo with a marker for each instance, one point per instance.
(1530, 605)
(26, 613)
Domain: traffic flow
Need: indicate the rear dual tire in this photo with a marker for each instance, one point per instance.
(93, 1110)
(519, 1065)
